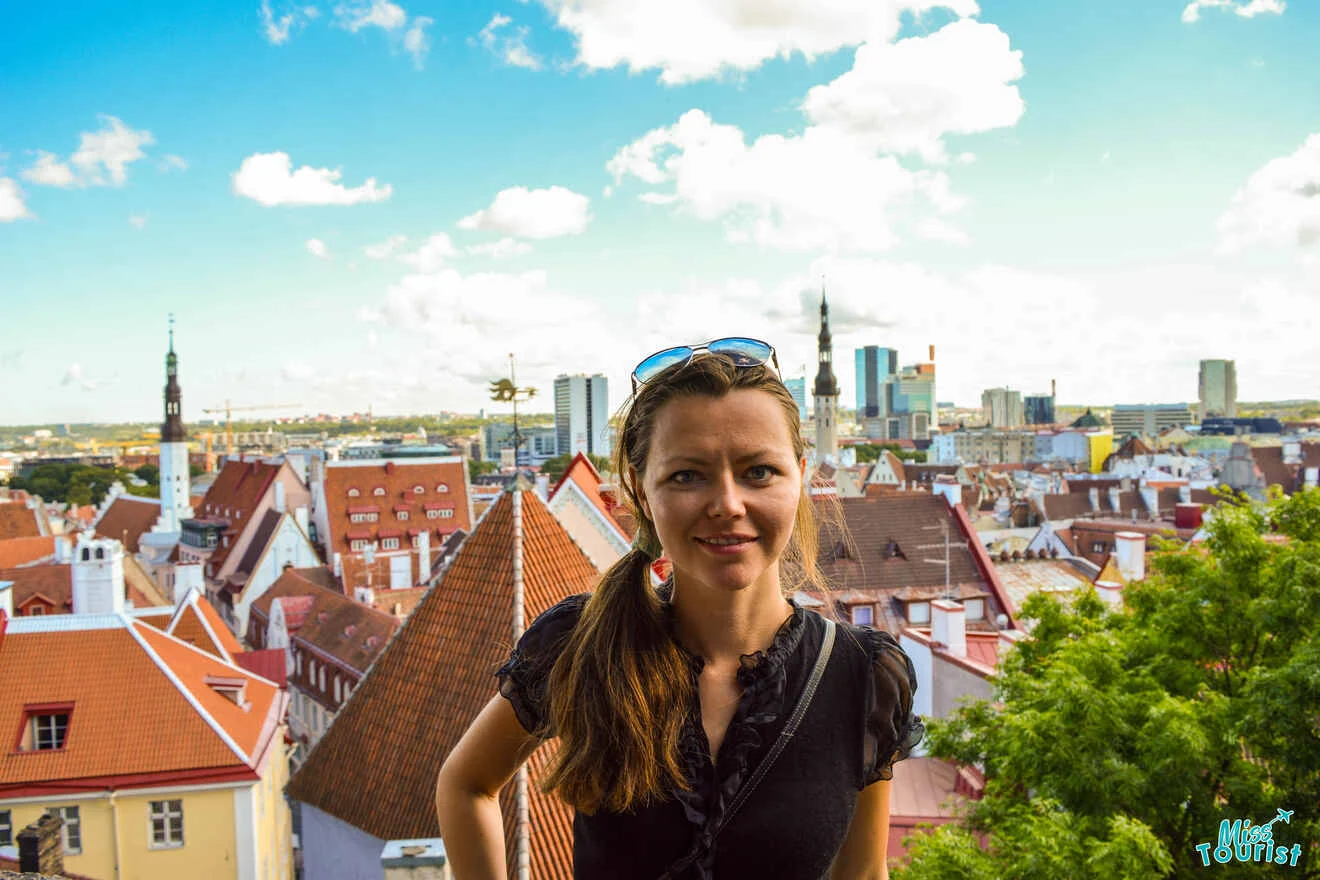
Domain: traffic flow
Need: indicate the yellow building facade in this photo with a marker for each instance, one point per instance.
(1100, 445)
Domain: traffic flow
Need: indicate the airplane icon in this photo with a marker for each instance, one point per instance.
(1285, 815)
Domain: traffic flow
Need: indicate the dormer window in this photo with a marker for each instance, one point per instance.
(378, 491)
(892, 550)
(389, 543)
(353, 493)
(45, 728)
(918, 612)
(401, 514)
(974, 609)
(443, 487)
(232, 688)
(418, 490)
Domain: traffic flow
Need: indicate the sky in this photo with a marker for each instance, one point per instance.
(371, 204)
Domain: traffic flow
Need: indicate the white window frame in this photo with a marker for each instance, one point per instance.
(389, 543)
(433, 514)
(353, 493)
(357, 545)
(863, 615)
(373, 517)
(443, 487)
(71, 831)
(401, 514)
(418, 490)
(974, 609)
(378, 492)
(165, 812)
(918, 613)
(54, 733)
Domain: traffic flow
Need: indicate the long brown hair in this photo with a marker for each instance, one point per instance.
(621, 688)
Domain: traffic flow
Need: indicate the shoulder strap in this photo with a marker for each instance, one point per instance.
(804, 701)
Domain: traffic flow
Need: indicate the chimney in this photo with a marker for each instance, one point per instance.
(1052, 389)
(1094, 495)
(1184, 494)
(422, 859)
(1151, 496)
(279, 495)
(543, 487)
(186, 576)
(1130, 547)
(7, 599)
(98, 576)
(1113, 499)
(63, 550)
(424, 556)
(41, 847)
(1111, 592)
(1187, 516)
(932, 354)
(948, 626)
(339, 566)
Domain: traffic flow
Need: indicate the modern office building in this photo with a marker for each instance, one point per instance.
(798, 388)
(1038, 409)
(582, 414)
(1002, 407)
(1217, 389)
(874, 366)
(1148, 419)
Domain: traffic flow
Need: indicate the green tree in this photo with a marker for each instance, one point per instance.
(554, 468)
(1119, 741)
(869, 452)
(148, 472)
(477, 468)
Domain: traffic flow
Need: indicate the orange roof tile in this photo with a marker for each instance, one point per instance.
(48, 585)
(126, 684)
(18, 521)
(353, 633)
(434, 678)
(24, 551)
(128, 518)
(198, 624)
(388, 486)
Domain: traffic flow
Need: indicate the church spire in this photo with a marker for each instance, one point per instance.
(172, 430)
(826, 383)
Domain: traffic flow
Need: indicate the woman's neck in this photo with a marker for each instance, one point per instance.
(721, 626)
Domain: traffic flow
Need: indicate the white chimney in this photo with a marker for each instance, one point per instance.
(948, 626)
(1111, 592)
(1151, 496)
(7, 599)
(1130, 547)
(1094, 494)
(339, 565)
(186, 576)
(420, 859)
(63, 550)
(279, 495)
(1113, 499)
(423, 556)
(543, 487)
(98, 576)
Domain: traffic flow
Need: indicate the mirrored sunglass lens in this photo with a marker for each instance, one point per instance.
(743, 352)
(661, 361)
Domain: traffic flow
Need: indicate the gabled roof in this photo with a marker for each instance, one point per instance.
(582, 474)
(389, 487)
(17, 520)
(256, 548)
(142, 709)
(198, 624)
(25, 551)
(1110, 572)
(1070, 505)
(434, 678)
(352, 633)
(54, 583)
(127, 519)
(234, 496)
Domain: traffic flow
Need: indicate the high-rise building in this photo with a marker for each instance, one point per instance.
(582, 414)
(1217, 389)
(798, 389)
(1038, 409)
(1148, 419)
(826, 392)
(1002, 407)
(874, 365)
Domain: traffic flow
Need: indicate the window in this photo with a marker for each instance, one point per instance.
(418, 490)
(401, 514)
(443, 487)
(6, 828)
(46, 729)
(353, 493)
(389, 543)
(166, 824)
(439, 514)
(311, 671)
(974, 609)
(356, 517)
(37, 610)
(71, 833)
(372, 517)
(1099, 547)
(379, 490)
(918, 612)
(357, 545)
(298, 661)
(862, 615)
(322, 679)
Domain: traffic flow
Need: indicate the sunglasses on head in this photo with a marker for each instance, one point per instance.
(742, 351)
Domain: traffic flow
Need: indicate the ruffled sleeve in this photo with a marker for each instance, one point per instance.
(892, 729)
(524, 675)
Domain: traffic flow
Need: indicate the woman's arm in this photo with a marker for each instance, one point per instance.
(468, 787)
(862, 856)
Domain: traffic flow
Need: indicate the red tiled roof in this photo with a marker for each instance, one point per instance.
(434, 678)
(116, 680)
(399, 481)
(127, 519)
(583, 474)
(270, 664)
(23, 551)
(234, 496)
(349, 631)
(198, 624)
(52, 583)
(18, 521)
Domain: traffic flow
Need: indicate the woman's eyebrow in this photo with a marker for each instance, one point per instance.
(696, 459)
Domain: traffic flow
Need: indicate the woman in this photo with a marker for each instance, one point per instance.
(666, 701)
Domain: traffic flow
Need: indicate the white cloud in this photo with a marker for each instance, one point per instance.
(385, 248)
(11, 201)
(935, 229)
(137, 221)
(1279, 204)
(75, 376)
(511, 46)
(170, 162)
(415, 42)
(820, 189)
(695, 39)
(904, 97)
(370, 13)
(498, 250)
(431, 256)
(317, 248)
(278, 28)
(1250, 9)
(297, 371)
(48, 170)
(369, 314)
(269, 179)
(535, 213)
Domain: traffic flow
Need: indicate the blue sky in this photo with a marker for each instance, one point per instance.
(373, 203)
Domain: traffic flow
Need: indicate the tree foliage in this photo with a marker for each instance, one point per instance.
(1119, 741)
(554, 468)
(73, 483)
(868, 452)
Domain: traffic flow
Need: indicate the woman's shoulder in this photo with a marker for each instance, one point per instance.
(560, 618)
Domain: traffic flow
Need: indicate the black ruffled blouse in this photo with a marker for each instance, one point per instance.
(860, 722)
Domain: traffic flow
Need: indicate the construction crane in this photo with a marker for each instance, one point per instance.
(228, 409)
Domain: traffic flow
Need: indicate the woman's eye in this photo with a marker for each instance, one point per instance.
(681, 476)
(768, 471)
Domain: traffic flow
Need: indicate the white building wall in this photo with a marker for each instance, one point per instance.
(289, 546)
(175, 487)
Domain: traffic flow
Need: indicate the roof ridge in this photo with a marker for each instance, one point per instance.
(183, 689)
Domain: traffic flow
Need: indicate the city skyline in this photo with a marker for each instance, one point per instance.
(372, 205)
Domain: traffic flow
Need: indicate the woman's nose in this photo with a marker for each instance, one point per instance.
(726, 497)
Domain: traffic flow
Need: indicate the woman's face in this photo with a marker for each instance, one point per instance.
(722, 469)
